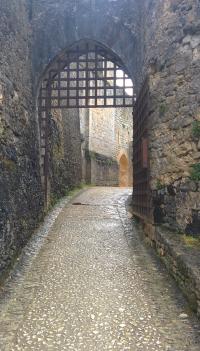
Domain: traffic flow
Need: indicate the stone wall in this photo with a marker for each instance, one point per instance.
(20, 190)
(172, 46)
(102, 170)
(57, 25)
(65, 144)
(181, 258)
(107, 132)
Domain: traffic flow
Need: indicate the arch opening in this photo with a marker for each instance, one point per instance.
(86, 76)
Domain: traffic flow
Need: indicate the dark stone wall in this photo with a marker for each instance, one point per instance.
(57, 25)
(20, 190)
(65, 159)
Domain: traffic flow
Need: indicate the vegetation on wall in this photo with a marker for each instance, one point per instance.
(196, 130)
(195, 172)
(159, 185)
(163, 109)
(92, 155)
(7, 164)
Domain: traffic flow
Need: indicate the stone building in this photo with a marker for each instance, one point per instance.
(154, 38)
(107, 146)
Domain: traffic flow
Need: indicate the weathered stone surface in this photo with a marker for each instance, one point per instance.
(156, 37)
(65, 143)
(20, 190)
(181, 260)
(174, 25)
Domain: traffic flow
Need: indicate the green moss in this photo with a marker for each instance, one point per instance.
(9, 165)
(69, 191)
(110, 162)
(195, 172)
(24, 224)
(58, 151)
(190, 241)
(179, 231)
(1, 130)
(196, 130)
(163, 109)
(159, 185)
(92, 155)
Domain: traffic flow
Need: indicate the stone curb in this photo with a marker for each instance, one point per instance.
(182, 263)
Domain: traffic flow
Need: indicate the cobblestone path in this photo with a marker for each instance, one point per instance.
(91, 284)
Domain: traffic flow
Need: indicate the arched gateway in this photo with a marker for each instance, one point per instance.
(88, 75)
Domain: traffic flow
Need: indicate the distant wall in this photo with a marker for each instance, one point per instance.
(107, 134)
(104, 171)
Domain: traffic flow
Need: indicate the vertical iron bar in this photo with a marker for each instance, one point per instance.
(124, 91)
(68, 80)
(96, 77)
(59, 73)
(105, 78)
(87, 78)
(115, 84)
(77, 77)
(47, 117)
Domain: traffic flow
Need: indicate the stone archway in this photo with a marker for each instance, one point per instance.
(123, 171)
(85, 75)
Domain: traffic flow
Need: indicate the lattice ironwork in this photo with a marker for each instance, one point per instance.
(141, 189)
(87, 76)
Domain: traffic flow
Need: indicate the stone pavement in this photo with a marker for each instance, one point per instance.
(91, 284)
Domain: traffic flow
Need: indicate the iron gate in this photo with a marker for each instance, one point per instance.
(86, 76)
(141, 186)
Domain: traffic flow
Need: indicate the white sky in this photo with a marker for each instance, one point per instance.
(128, 82)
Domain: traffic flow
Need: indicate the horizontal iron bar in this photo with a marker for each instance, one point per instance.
(99, 97)
(83, 79)
(89, 88)
(88, 106)
(89, 69)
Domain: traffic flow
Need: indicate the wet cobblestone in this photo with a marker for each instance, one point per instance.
(92, 285)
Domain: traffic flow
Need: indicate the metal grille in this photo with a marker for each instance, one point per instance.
(87, 76)
(141, 187)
